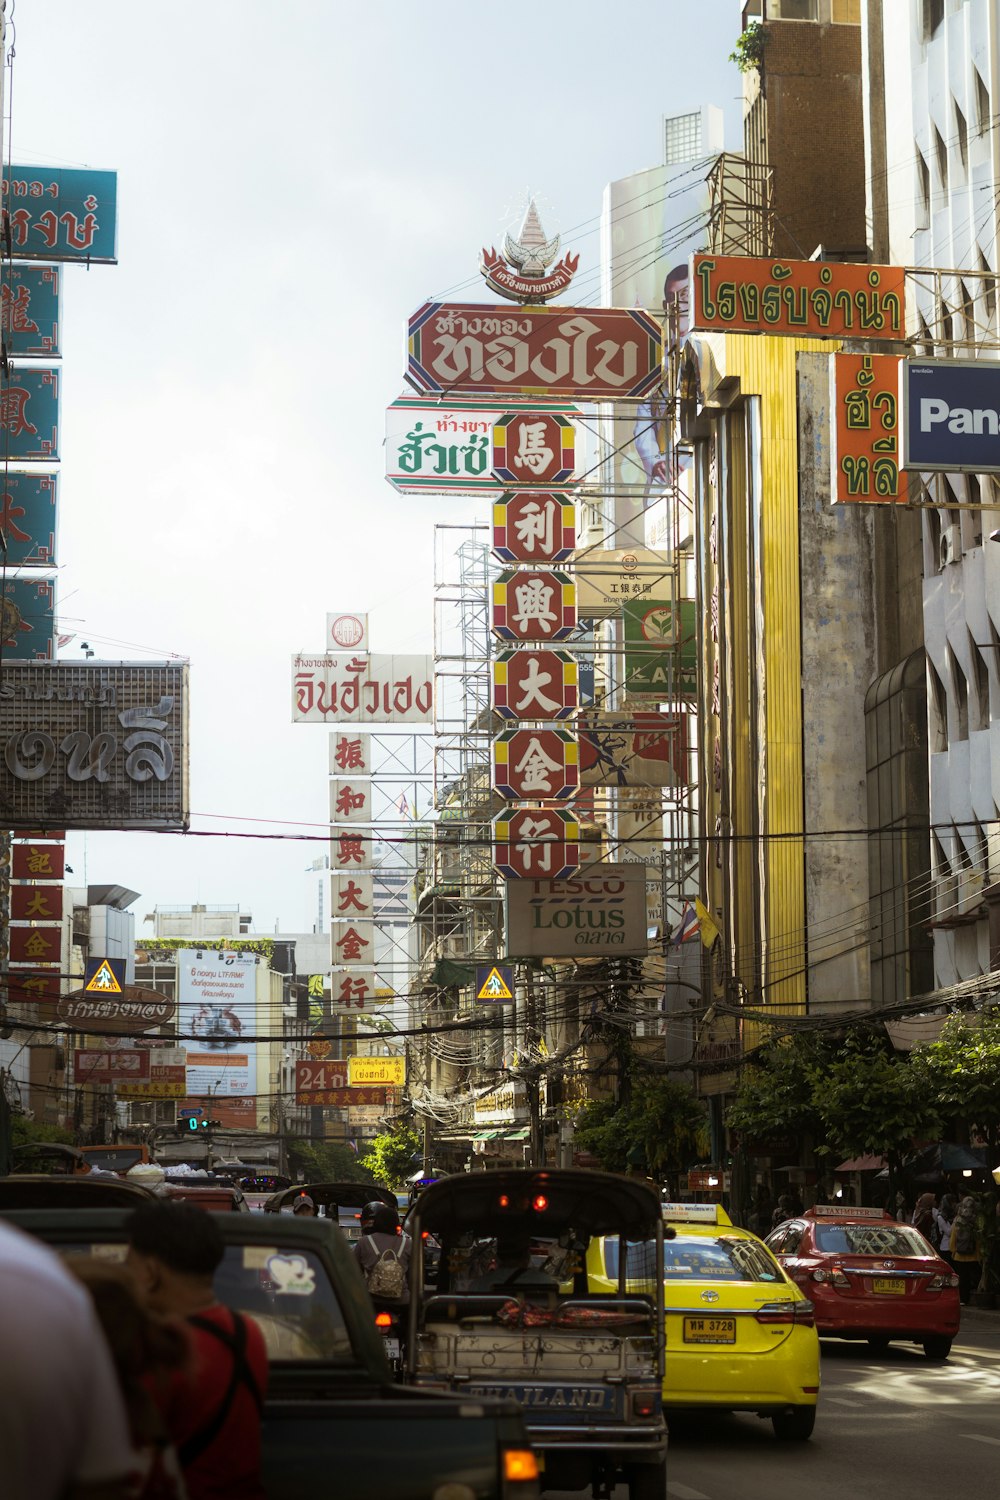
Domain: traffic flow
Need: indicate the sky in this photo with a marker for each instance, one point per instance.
(293, 181)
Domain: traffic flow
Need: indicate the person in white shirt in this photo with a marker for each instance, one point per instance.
(63, 1429)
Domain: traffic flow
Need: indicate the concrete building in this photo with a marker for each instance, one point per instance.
(933, 74)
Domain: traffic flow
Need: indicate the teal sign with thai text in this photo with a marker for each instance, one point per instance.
(60, 213)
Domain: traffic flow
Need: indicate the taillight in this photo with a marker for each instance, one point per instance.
(802, 1313)
(938, 1283)
(834, 1276)
(646, 1403)
(383, 1320)
(519, 1464)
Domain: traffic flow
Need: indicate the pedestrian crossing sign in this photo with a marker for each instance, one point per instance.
(104, 976)
(495, 983)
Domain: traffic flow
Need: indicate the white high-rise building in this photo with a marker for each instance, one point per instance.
(934, 179)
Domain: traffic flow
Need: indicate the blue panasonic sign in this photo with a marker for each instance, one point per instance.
(950, 414)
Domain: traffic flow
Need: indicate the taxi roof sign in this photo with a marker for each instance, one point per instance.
(844, 1211)
(494, 983)
(104, 976)
(695, 1213)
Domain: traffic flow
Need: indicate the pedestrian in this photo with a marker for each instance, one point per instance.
(383, 1253)
(786, 1209)
(63, 1426)
(944, 1218)
(923, 1216)
(901, 1212)
(212, 1409)
(304, 1207)
(145, 1348)
(965, 1254)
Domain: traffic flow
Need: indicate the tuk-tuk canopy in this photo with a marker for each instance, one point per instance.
(331, 1195)
(544, 1202)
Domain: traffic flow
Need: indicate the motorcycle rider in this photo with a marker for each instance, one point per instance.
(383, 1253)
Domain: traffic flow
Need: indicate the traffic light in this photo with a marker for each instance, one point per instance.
(192, 1124)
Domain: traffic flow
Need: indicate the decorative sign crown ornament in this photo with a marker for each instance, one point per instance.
(519, 274)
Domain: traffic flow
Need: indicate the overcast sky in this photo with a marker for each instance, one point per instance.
(293, 180)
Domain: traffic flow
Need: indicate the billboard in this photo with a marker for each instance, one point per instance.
(865, 452)
(633, 749)
(166, 1077)
(59, 213)
(344, 689)
(661, 648)
(600, 909)
(29, 312)
(29, 415)
(28, 514)
(950, 413)
(94, 745)
(818, 299)
(216, 1012)
(135, 1009)
(125, 1064)
(608, 580)
(581, 353)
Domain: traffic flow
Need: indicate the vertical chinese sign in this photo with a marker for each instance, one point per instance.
(353, 910)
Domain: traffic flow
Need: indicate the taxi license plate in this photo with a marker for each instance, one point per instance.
(890, 1284)
(710, 1330)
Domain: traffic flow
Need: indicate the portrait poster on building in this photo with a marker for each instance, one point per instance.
(217, 1005)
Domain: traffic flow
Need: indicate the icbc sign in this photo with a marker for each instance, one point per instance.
(533, 526)
(535, 684)
(536, 764)
(533, 448)
(537, 605)
(536, 841)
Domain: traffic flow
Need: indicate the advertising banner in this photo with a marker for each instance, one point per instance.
(350, 752)
(135, 1009)
(344, 689)
(536, 841)
(33, 861)
(806, 298)
(60, 213)
(29, 312)
(35, 945)
(167, 1080)
(504, 1106)
(581, 353)
(217, 1006)
(633, 749)
(531, 447)
(34, 986)
(865, 450)
(389, 1071)
(28, 516)
(537, 605)
(536, 764)
(94, 745)
(128, 1064)
(661, 648)
(27, 618)
(951, 414)
(232, 1113)
(533, 526)
(600, 909)
(351, 851)
(350, 800)
(606, 581)
(36, 903)
(353, 989)
(29, 414)
(352, 896)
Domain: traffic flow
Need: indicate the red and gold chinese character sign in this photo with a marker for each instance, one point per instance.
(536, 764)
(536, 843)
(533, 447)
(535, 684)
(864, 397)
(533, 526)
(534, 605)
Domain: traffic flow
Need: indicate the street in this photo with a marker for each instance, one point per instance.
(887, 1425)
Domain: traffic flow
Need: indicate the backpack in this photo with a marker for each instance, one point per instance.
(386, 1278)
(965, 1237)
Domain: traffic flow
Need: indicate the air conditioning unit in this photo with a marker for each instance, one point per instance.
(950, 548)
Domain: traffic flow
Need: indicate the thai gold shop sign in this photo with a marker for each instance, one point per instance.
(808, 298)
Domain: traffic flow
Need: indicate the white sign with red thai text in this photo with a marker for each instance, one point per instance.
(346, 689)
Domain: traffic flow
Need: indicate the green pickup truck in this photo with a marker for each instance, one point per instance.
(334, 1421)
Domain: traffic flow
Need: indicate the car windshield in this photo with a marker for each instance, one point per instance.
(288, 1293)
(699, 1258)
(868, 1239)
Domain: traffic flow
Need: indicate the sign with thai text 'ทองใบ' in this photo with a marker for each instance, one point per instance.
(810, 298)
(345, 689)
(580, 353)
(865, 451)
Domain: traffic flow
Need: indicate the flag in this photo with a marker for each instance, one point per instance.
(709, 932)
(402, 806)
(688, 925)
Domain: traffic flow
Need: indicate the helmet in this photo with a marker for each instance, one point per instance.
(379, 1218)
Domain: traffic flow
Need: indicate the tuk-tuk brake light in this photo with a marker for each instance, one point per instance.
(540, 1203)
(519, 1464)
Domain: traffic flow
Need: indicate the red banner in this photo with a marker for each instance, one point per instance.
(35, 945)
(39, 861)
(36, 903)
(129, 1064)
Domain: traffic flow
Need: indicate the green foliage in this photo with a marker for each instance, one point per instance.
(776, 1091)
(24, 1131)
(748, 53)
(164, 948)
(390, 1157)
(326, 1161)
(660, 1124)
(870, 1101)
(962, 1070)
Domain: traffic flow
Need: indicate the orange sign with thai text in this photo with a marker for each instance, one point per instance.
(822, 299)
(864, 459)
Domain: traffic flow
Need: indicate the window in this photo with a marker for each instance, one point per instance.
(933, 17)
(682, 138)
(937, 714)
(941, 153)
(923, 188)
(982, 104)
(962, 131)
(989, 288)
(961, 686)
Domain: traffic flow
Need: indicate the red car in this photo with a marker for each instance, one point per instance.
(870, 1278)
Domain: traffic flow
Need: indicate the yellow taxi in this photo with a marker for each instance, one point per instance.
(740, 1334)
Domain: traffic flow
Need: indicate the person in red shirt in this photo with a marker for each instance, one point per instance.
(212, 1408)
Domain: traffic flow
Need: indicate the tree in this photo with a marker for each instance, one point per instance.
(776, 1094)
(390, 1157)
(326, 1161)
(660, 1126)
(870, 1101)
(962, 1071)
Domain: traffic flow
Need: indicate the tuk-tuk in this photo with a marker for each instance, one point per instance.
(510, 1314)
(341, 1202)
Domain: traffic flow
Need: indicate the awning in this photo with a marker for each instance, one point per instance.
(518, 1135)
(862, 1164)
(485, 1135)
